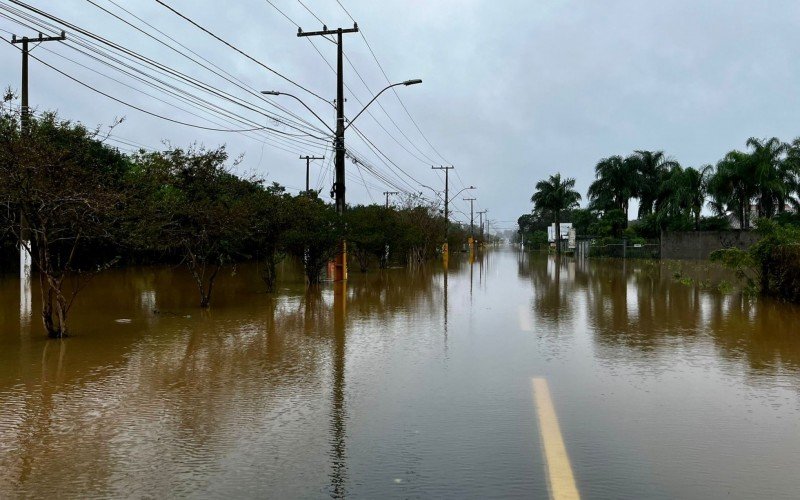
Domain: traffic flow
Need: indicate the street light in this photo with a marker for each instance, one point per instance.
(276, 93)
(339, 185)
(405, 83)
(339, 134)
(458, 193)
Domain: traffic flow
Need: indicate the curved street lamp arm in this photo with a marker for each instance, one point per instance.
(406, 83)
(458, 193)
(271, 92)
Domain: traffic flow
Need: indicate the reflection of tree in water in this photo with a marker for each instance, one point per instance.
(553, 287)
(642, 308)
(192, 383)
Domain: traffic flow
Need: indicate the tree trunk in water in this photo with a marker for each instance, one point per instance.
(269, 275)
(47, 306)
(61, 313)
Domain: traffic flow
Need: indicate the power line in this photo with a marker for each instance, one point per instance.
(216, 69)
(191, 99)
(133, 106)
(375, 57)
(138, 58)
(230, 45)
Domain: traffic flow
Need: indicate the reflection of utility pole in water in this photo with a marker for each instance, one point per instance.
(25, 295)
(480, 269)
(445, 307)
(338, 456)
(471, 266)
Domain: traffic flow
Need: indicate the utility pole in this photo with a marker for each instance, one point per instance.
(339, 186)
(471, 217)
(447, 170)
(308, 167)
(25, 111)
(25, 41)
(387, 193)
(340, 269)
(480, 214)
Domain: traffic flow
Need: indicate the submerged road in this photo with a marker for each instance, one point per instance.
(515, 376)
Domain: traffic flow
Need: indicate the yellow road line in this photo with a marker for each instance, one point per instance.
(559, 471)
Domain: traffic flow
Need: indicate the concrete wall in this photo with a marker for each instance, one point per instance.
(699, 244)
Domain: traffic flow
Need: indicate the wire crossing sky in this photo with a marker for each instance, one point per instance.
(513, 91)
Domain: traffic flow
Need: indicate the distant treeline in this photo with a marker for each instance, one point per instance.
(85, 206)
(758, 187)
(762, 182)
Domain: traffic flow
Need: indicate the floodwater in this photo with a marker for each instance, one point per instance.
(409, 386)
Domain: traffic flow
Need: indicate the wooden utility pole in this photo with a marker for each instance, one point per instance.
(25, 113)
(340, 270)
(387, 193)
(480, 214)
(447, 170)
(25, 42)
(471, 217)
(308, 168)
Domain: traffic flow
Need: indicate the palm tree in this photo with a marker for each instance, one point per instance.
(791, 165)
(615, 185)
(733, 186)
(683, 192)
(652, 168)
(555, 195)
(773, 175)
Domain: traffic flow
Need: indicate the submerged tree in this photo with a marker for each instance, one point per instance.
(191, 204)
(372, 231)
(314, 234)
(62, 193)
(271, 216)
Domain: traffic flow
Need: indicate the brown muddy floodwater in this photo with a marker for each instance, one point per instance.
(411, 387)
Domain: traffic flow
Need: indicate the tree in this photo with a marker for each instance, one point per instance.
(68, 188)
(556, 195)
(371, 231)
(791, 166)
(615, 184)
(773, 176)
(652, 167)
(192, 205)
(270, 218)
(314, 234)
(733, 186)
(682, 194)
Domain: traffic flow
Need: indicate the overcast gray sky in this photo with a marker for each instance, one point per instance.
(513, 90)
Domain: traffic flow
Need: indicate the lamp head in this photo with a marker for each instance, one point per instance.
(270, 92)
(412, 82)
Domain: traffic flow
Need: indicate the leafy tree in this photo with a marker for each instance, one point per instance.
(774, 177)
(652, 167)
(615, 184)
(372, 231)
(682, 195)
(556, 195)
(772, 265)
(194, 206)
(271, 217)
(733, 186)
(314, 234)
(68, 187)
